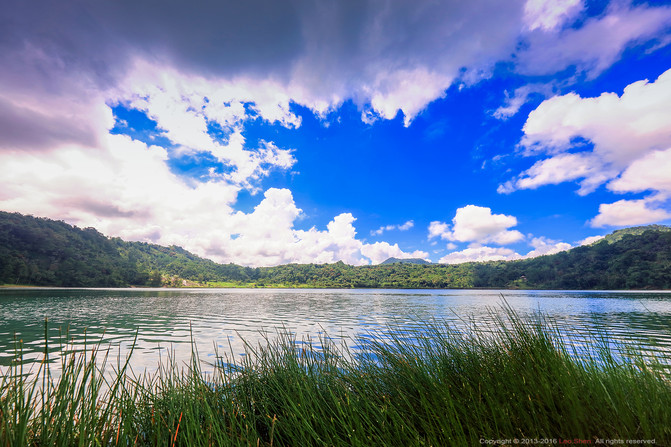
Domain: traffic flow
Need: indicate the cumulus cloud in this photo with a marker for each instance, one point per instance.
(479, 254)
(110, 189)
(630, 212)
(561, 168)
(559, 38)
(651, 172)
(541, 246)
(478, 225)
(226, 63)
(403, 227)
(381, 251)
(622, 128)
(385, 57)
(544, 246)
(631, 138)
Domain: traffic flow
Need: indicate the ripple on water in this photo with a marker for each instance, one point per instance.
(167, 320)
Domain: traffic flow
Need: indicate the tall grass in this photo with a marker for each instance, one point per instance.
(431, 385)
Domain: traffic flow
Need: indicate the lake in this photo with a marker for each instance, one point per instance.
(218, 320)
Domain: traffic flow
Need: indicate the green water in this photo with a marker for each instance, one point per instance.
(171, 322)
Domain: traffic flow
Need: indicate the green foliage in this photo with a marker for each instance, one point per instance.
(43, 252)
(432, 385)
(392, 276)
(631, 261)
(617, 235)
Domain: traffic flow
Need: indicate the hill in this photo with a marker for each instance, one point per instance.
(617, 235)
(44, 252)
(633, 258)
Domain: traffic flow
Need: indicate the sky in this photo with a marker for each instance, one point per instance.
(269, 132)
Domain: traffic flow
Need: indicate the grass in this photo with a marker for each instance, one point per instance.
(433, 385)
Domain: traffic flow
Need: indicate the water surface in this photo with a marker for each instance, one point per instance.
(218, 320)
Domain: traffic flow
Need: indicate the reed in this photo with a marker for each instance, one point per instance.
(429, 385)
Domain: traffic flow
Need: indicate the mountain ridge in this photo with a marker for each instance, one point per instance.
(43, 252)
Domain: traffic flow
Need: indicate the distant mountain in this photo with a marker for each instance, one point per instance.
(404, 261)
(43, 252)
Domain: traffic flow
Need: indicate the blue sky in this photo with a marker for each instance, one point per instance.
(272, 132)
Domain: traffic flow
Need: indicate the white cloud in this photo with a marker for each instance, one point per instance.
(651, 172)
(631, 135)
(478, 225)
(544, 246)
(408, 91)
(403, 227)
(59, 74)
(183, 106)
(622, 128)
(562, 168)
(439, 229)
(392, 57)
(384, 57)
(518, 98)
(590, 240)
(479, 254)
(381, 251)
(125, 188)
(549, 14)
(592, 47)
(629, 212)
(406, 226)
(541, 246)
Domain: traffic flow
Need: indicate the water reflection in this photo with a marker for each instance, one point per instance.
(218, 320)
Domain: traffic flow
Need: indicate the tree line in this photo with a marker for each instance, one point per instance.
(43, 252)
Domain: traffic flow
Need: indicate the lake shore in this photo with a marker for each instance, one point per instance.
(430, 386)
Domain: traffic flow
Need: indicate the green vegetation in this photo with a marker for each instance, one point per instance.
(43, 252)
(433, 385)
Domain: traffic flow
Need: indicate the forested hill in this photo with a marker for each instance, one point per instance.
(43, 252)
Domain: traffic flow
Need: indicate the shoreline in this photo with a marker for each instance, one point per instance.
(444, 388)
